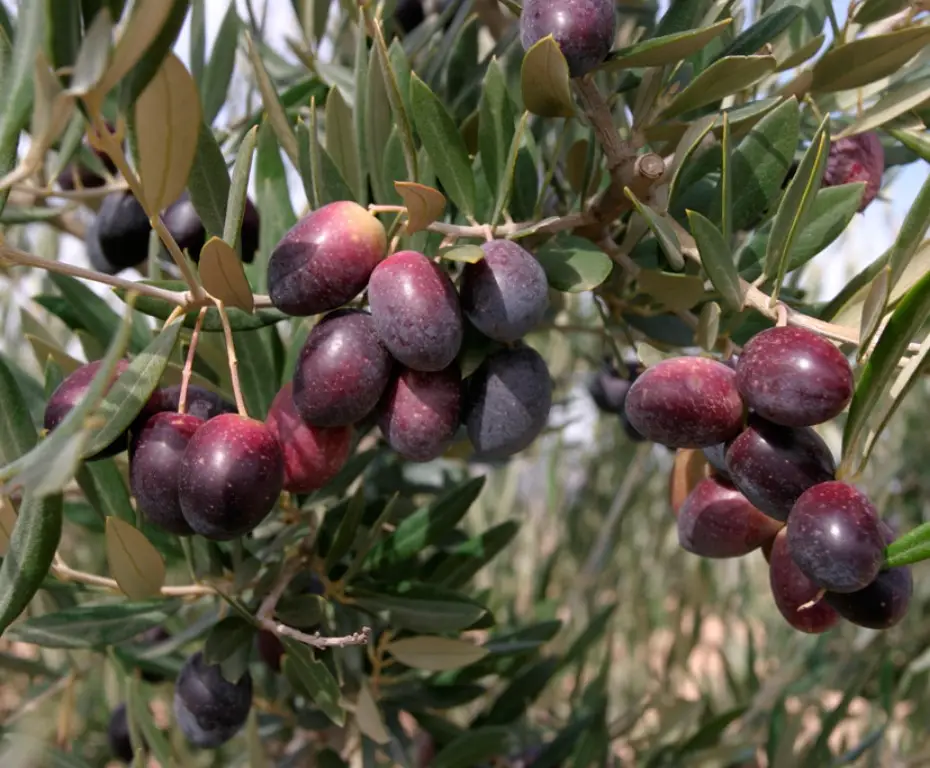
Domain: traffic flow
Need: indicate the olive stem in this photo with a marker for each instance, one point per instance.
(316, 640)
(29, 260)
(233, 360)
(65, 572)
(288, 572)
(115, 152)
(514, 228)
(88, 193)
(189, 362)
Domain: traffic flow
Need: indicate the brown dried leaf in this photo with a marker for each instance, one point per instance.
(424, 204)
(223, 275)
(136, 565)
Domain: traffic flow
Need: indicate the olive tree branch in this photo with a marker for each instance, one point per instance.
(316, 640)
(64, 572)
(24, 259)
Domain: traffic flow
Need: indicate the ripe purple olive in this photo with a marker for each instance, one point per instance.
(419, 413)
(122, 229)
(325, 259)
(231, 476)
(583, 29)
(71, 391)
(773, 465)
(835, 538)
(856, 158)
(342, 371)
(884, 602)
(184, 224)
(505, 295)
(717, 521)
(415, 311)
(209, 709)
(793, 377)
(270, 649)
(506, 402)
(798, 599)
(118, 738)
(155, 456)
(312, 455)
(716, 457)
(608, 390)
(686, 402)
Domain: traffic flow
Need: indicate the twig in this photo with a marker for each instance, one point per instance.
(28, 260)
(189, 362)
(233, 360)
(291, 569)
(88, 193)
(513, 228)
(316, 640)
(66, 573)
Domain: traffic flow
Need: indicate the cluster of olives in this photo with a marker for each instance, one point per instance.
(772, 482)
(397, 360)
(118, 236)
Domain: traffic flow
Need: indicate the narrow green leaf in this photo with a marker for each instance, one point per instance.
(153, 737)
(502, 198)
(726, 184)
(30, 554)
(708, 328)
(360, 107)
(424, 608)
(794, 206)
(893, 103)
(348, 528)
(717, 260)
(444, 145)
(63, 33)
(17, 432)
(313, 679)
(689, 142)
(95, 625)
(226, 639)
(475, 747)
(341, 142)
(208, 183)
(760, 164)
(105, 489)
(465, 560)
(133, 83)
(868, 59)
(496, 120)
(273, 199)
(259, 384)
(132, 389)
(425, 526)
(910, 548)
(663, 231)
(722, 78)
(277, 117)
(234, 209)
(877, 374)
(667, 49)
(327, 181)
(18, 84)
(218, 72)
(871, 11)
(766, 29)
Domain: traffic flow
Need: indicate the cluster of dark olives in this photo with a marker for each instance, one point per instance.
(396, 361)
(772, 482)
(608, 388)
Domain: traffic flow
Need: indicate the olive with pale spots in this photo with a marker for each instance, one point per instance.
(505, 295)
(717, 521)
(324, 260)
(834, 536)
(208, 708)
(773, 465)
(419, 413)
(686, 402)
(583, 29)
(794, 377)
(415, 311)
(155, 456)
(506, 402)
(232, 473)
(342, 371)
(798, 599)
(312, 455)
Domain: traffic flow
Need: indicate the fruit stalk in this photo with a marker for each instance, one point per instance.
(64, 572)
(233, 360)
(189, 362)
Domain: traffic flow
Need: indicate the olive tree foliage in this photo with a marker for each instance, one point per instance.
(672, 195)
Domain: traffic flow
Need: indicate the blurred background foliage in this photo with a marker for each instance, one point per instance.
(612, 646)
